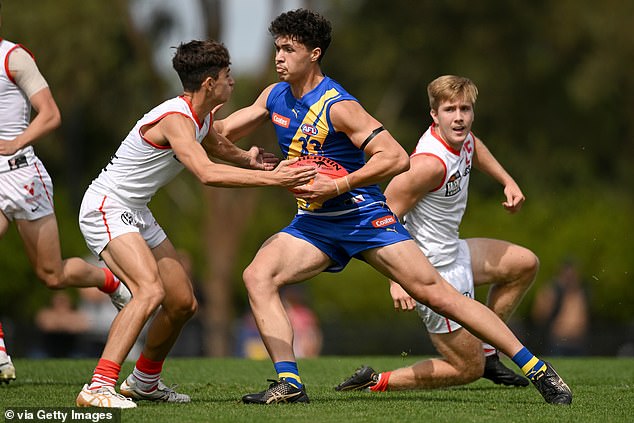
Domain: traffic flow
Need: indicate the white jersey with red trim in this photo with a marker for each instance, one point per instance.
(139, 168)
(15, 112)
(434, 221)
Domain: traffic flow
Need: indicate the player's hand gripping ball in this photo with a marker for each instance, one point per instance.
(324, 165)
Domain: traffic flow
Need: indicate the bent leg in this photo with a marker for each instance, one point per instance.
(42, 245)
(282, 259)
(129, 257)
(462, 362)
(509, 268)
(178, 306)
(404, 263)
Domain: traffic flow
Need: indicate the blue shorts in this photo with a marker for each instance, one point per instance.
(345, 236)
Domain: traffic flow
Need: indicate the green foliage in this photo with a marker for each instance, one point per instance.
(556, 105)
(216, 386)
(556, 230)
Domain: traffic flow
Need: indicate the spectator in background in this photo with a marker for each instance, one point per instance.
(190, 341)
(248, 341)
(100, 314)
(60, 325)
(308, 337)
(561, 309)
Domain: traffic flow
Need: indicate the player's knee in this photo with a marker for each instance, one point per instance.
(253, 280)
(529, 266)
(186, 309)
(532, 264)
(439, 302)
(50, 278)
(468, 366)
(472, 373)
(150, 294)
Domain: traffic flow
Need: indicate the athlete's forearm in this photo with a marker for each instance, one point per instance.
(46, 120)
(487, 163)
(225, 150)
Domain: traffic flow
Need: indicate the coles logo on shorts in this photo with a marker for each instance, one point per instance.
(280, 120)
(384, 221)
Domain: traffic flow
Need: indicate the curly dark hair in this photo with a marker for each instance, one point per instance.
(304, 26)
(196, 60)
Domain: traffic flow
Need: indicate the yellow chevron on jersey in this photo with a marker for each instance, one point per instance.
(303, 128)
(313, 130)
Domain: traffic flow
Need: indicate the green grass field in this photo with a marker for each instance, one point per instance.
(603, 392)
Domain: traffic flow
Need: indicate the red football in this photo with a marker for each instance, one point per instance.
(324, 165)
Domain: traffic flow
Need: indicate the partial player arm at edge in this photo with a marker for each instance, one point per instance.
(48, 117)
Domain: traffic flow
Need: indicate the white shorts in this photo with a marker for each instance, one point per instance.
(102, 218)
(26, 192)
(460, 275)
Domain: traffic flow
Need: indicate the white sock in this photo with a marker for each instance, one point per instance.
(488, 350)
(146, 382)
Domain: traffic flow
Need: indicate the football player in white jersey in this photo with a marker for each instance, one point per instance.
(26, 189)
(431, 199)
(119, 227)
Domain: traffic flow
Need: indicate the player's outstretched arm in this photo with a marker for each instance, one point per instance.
(487, 163)
(178, 131)
(216, 145)
(243, 122)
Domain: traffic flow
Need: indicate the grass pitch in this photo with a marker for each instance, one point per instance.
(603, 391)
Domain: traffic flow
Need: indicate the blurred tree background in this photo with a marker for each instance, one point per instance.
(556, 107)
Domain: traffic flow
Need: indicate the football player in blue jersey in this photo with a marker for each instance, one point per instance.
(345, 217)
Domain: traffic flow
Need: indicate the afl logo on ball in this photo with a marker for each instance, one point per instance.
(127, 218)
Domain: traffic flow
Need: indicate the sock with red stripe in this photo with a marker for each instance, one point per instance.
(111, 284)
(381, 385)
(488, 350)
(147, 373)
(3, 348)
(106, 374)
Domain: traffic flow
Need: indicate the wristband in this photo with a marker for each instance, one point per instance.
(347, 183)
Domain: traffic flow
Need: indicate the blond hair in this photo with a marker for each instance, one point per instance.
(449, 88)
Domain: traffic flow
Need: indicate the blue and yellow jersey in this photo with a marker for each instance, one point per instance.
(303, 128)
